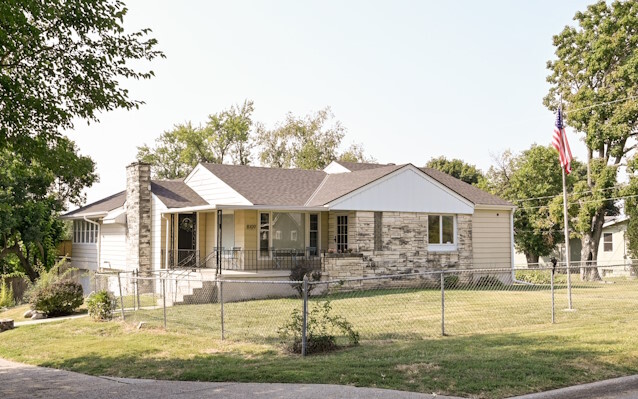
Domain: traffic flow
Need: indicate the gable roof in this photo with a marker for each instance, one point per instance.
(467, 191)
(269, 186)
(102, 206)
(337, 185)
(357, 166)
(176, 194)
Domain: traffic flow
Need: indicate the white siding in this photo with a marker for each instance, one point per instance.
(84, 256)
(407, 190)
(491, 238)
(158, 229)
(618, 254)
(113, 245)
(212, 189)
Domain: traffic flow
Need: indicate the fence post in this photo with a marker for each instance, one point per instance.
(304, 326)
(442, 303)
(552, 287)
(136, 275)
(119, 283)
(164, 298)
(221, 301)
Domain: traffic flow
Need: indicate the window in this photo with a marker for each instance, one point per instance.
(264, 234)
(342, 233)
(441, 230)
(608, 242)
(378, 231)
(84, 232)
(314, 234)
(289, 230)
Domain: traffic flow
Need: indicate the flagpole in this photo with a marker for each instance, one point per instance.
(566, 220)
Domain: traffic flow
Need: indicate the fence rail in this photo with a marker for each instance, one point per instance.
(394, 307)
(242, 259)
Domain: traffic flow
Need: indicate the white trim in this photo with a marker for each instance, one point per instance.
(248, 207)
(391, 175)
(495, 207)
(444, 247)
(80, 216)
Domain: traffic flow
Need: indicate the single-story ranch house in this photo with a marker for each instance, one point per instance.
(350, 219)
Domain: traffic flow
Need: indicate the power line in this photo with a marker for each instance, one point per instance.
(584, 202)
(605, 103)
(569, 195)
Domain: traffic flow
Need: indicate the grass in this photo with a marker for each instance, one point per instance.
(517, 350)
(16, 313)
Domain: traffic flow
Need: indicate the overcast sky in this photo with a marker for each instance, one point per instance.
(410, 80)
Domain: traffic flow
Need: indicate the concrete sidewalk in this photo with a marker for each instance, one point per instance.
(23, 381)
(617, 388)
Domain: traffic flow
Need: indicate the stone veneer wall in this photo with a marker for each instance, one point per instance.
(405, 247)
(138, 217)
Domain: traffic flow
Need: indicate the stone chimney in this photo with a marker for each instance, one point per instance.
(138, 217)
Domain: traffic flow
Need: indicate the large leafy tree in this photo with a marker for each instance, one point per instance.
(59, 60)
(226, 137)
(311, 142)
(595, 75)
(532, 181)
(457, 168)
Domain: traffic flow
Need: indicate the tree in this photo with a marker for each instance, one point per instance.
(306, 143)
(226, 136)
(32, 194)
(59, 60)
(457, 168)
(356, 153)
(594, 76)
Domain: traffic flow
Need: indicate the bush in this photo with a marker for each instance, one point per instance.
(6, 295)
(489, 282)
(540, 277)
(302, 269)
(101, 305)
(451, 281)
(58, 299)
(320, 331)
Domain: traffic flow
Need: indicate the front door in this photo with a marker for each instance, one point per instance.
(186, 238)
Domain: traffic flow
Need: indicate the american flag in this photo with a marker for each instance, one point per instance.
(560, 143)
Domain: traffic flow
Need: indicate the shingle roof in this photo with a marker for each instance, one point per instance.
(357, 166)
(104, 205)
(269, 186)
(176, 194)
(467, 191)
(337, 185)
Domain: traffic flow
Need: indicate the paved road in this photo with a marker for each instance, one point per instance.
(21, 381)
(617, 388)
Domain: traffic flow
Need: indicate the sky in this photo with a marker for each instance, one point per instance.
(410, 80)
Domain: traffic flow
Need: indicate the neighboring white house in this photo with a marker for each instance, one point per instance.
(350, 219)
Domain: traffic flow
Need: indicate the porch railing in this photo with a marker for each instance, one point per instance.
(242, 259)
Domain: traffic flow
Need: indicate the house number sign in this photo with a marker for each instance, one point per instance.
(251, 226)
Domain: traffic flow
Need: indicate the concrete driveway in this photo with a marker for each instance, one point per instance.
(22, 381)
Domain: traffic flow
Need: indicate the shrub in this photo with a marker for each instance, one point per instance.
(451, 281)
(101, 305)
(6, 295)
(299, 271)
(320, 331)
(540, 277)
(489, 282)
(58, 299)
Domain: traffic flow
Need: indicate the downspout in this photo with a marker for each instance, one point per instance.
(166, 241)
(99, 240)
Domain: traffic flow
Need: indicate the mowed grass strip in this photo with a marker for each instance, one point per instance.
(506, 345)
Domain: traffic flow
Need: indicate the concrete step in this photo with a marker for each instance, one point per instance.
(207, 293)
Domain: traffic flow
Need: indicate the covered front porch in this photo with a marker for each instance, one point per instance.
(247, 239)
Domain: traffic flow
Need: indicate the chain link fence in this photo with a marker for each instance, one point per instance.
(396, 307)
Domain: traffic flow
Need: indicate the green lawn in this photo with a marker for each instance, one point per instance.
(500, 342)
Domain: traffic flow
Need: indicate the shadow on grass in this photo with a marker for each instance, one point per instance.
(494, 366)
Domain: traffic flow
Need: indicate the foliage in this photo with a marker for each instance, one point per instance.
(59, 299)
(451, 281)
(533, 182)
(302, 269)
(7, 299)
(225, 137)
(59, 61)
(540, 277)
(101, 305)
(356, 153)
(311, 142)
(457, 168)
(320, 331)
(594, 76)
(489, 282)
(631, 207)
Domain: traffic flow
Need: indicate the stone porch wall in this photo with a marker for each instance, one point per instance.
(404, 247)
